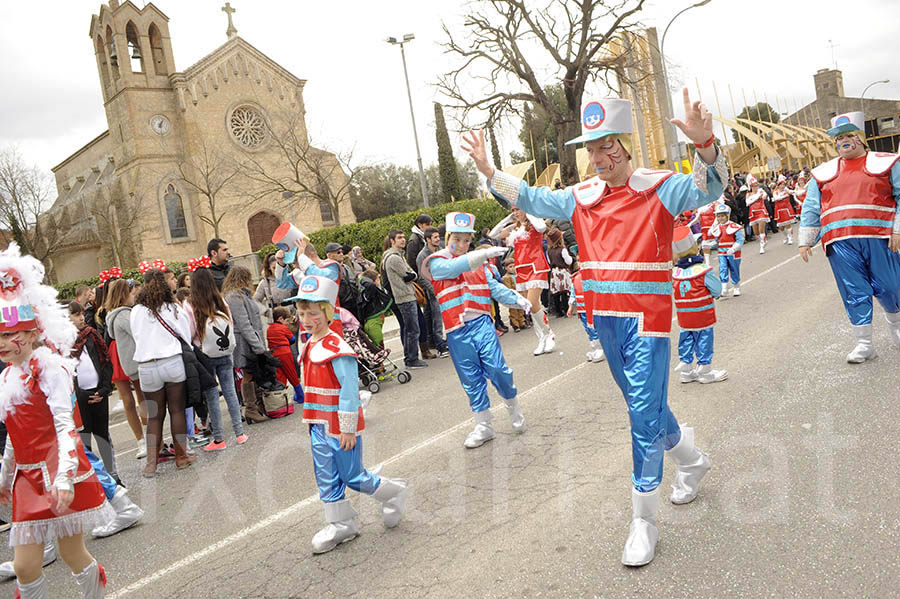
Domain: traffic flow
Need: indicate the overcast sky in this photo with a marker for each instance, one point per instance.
(355, 96)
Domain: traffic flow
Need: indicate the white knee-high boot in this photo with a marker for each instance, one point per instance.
(92, 581)
(546, 338)
(33, 590)
(894, 326)
(865, 349)
(692, 465)
(640, 548)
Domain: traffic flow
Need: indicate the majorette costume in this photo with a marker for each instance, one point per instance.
(851, 206)
(624, 237)
(531, 271)
(695, 287)
(577, 299)
(784, 212)
(332, 408)
(43, 450)
(464, 288)
(799, 193)
(728, 238)
(756, 203)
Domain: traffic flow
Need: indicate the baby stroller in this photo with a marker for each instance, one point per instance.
(375, 366)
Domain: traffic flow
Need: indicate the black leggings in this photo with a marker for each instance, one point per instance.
(170, 398)
(95, 418)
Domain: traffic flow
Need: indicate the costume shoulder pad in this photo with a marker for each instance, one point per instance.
(587, 193)
(732, 227)
(328, 348)
(645, 181)
(878, 163)
(827, 171)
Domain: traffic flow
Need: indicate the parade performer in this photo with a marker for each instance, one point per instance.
(728, 238)
(576, 306)
(333, 411)
(784, 213)
(707, 217)
(524, 233)
(759, 215)
(851, 206)
(799, 192)
(623, 221)
(464, 287)
(695, 287)
(45, 473)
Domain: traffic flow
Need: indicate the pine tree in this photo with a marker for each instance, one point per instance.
(495, 149)
(446, 161)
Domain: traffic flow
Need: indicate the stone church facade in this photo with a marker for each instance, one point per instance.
(185, 151)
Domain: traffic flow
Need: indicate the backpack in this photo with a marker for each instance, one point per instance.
(218, 337)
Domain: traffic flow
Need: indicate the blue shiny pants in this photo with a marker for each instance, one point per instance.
(863, 268)
(107, 481)
(591, 333)
(337, 469)
(640, 366)
(477, 357)
(696, 342)
(729, 265)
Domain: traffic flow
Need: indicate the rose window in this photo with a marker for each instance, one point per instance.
(247, 126)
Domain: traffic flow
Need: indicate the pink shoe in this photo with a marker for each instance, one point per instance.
(215, 446)
(241, 439)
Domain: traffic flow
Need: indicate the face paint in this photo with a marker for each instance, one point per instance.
(17, 341)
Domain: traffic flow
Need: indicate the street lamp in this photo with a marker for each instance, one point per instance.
(408, 38)
(862, 97)
(662, 55)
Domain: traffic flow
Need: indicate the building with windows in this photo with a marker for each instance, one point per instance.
(219, 147)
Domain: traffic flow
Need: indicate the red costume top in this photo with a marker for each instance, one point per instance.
(784, 213)
(467, 293)
(757, 205)
(726, 235)
(799, 195)
(321, 387)
(578, 290)
(528, 249)
(707, 218)
(694, 304)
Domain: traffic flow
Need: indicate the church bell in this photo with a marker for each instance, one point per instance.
(136, 52)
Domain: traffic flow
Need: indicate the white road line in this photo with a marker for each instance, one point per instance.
(292, 509)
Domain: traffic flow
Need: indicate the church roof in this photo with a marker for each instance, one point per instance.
(238, 42)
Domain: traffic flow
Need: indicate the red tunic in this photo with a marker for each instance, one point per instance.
(707, 218)
(784, 213)
(531, 263)
(467, 293)
(757, 205)
(799, 197)
(694, 304)
(321, 386)
(726, 235)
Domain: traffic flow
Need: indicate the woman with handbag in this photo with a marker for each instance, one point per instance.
(249, 338)
(159, 326)
(212, 332)
(267, 292)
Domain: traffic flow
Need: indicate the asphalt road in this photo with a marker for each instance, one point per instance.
(802, 499)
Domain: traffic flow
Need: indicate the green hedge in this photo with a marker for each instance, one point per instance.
(67, 290)
(369, 235)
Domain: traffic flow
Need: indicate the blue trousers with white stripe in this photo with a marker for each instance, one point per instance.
(477, 357)
(699, 343)
(865, 267)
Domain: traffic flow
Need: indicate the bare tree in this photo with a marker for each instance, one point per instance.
(25, 193)
(300, 171)
(117, 211)
(509, 48)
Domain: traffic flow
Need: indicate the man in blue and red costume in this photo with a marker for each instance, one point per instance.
(624, 220)
(851, 206)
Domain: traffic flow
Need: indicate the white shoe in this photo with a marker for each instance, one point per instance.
(689, 376)
(596, 353)
(790, 240)
(640, 548)
(549, 343)
(92, 581)
(516, 417)
(726, 292)
(705, 374)
(392, 495)
(50, 555)
(141, 449)
(341, 527)
(894, 327)
(483, 431)
(684, 367)
(864, 349)
(737, 291)
(692, 465)
(786, 241)
(127, 515)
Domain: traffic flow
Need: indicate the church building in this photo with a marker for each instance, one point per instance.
(219, 147)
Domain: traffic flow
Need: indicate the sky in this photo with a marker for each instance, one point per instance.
(355, 93)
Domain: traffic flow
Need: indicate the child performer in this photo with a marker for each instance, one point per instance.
(784, 213)
(728, 237)
(465, 288)
(516, 316)
(576, 304)
(279, 336)
(707, 217)
(332, 410)
(695, 289)
(524, 233)
(759, 216)
(53, 488)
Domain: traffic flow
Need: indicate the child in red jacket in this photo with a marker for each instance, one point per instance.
(279, 336)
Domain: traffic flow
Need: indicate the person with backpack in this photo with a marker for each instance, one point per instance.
(212, 331)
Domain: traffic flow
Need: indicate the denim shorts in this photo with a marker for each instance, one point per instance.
(156, 373)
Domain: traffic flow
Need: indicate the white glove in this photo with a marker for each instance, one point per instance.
(479, 257)
(731, 251)
(523, 303)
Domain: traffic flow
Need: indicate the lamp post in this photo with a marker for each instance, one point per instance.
(408, 38)
(674, 153)
(862, 96)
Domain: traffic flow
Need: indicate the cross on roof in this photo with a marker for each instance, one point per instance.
(232, 30)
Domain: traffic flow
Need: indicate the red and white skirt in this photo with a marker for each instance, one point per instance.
(758, 213)
(784, 213)
(527, 277)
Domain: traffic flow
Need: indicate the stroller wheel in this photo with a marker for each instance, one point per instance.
(365, 379)
(403, 377)
(374, 387)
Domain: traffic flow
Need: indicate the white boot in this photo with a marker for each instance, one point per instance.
(546, 338)
(341, 527)
(691, 464)
(790, 236)
(762, 244)
(864, 349)
(392, 495)
(726, 292)
(92, 581)
(33, 590)
(516, 417)
(643, 535)
(688, 376)
(7, 570)
(737, 290)
(141, 449)
(127, 515)
(542, 337)
(483, 431)
(894, 326)
(596, 353)
(705, 374)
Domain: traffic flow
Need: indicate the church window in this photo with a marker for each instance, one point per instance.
(135, 56)
(156, 51)
(175, 213)
(326, 209)
(113, 53)
(247, 126)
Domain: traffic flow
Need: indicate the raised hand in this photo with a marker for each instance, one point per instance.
(698, 123)
(476, 148)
